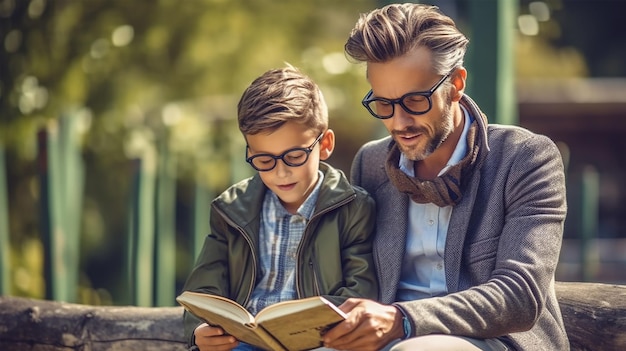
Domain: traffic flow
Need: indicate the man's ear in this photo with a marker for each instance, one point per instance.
(327, 144)
(457, 78)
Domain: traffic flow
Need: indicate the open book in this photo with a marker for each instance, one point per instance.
(289, 325)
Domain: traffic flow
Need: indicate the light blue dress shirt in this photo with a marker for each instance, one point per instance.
(423, 269)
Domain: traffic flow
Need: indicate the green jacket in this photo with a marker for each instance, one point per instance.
(335, 254)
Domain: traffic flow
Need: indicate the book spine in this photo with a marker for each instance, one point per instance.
(264, 335)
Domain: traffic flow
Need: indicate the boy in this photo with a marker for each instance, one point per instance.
(295, 229)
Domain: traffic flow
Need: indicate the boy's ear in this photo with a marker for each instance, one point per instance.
(327, 144)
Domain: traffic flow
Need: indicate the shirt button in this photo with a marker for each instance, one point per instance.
(439, 266)
(431, 222)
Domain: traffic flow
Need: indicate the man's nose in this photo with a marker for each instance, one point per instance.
(401, 119)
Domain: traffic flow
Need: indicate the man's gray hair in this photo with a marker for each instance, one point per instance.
(392, 31)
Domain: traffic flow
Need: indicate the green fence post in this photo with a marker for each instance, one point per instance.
(72, 187)
(165, 244)
(53, 228)
(490, 58)
(61, 189)
(140, 269)
(43, 160)
(5, 244)
(131, 234)
(201, 214)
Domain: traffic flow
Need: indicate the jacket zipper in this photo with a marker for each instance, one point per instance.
(315, 280)
(299, 291)
(249, 240)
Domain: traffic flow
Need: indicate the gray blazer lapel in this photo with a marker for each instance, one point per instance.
(390, 239)
(457, 230)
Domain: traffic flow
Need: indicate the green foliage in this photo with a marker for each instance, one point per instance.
(136, 73)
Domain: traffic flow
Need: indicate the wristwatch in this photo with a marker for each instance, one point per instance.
(406, 326)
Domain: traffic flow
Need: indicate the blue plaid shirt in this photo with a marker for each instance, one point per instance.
(279, 237)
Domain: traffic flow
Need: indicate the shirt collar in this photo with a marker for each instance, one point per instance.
(308, 206)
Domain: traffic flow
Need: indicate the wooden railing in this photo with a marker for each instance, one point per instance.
(594, 314)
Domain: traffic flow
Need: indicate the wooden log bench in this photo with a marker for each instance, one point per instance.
(594, 314)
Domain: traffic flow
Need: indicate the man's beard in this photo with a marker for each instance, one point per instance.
(442, 131)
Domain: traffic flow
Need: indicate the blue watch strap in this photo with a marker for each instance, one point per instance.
(406, 326)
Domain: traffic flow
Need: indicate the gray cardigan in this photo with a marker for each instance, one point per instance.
(503, 242)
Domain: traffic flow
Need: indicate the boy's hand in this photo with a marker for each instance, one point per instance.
(210, 338)
(369, 326)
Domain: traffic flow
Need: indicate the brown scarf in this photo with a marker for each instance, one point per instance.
(446, 189)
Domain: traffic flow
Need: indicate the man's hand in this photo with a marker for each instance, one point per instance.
(210, 338)
(369, 326)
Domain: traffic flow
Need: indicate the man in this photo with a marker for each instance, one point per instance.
(469, 215)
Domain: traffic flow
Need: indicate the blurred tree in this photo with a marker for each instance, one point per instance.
(134, 70)
(571, 38)
(595, 28)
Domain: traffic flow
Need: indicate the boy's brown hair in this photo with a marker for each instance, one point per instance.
(281, 95)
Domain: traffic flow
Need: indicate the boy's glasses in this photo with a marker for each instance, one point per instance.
(293, 157)
(415, 103)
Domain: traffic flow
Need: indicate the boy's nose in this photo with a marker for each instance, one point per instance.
(282, 169)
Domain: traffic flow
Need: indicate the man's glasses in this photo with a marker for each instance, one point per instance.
(415, 103)
(293, 157)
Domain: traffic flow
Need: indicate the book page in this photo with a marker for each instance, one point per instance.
(230, 316)
(299, 324)
(217, 304)
(295, 306)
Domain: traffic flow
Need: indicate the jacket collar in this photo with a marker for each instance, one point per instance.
(242, 202)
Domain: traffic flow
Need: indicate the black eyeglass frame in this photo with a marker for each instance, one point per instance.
(306, 150)
(400, 101)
